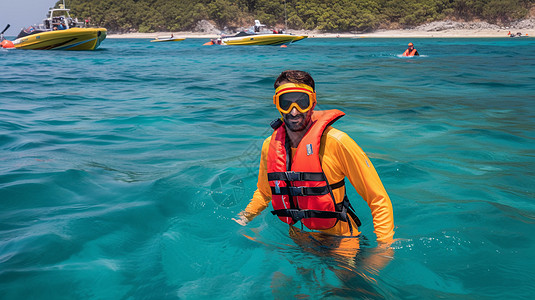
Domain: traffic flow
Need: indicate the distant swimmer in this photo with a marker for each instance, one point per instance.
(411, 51)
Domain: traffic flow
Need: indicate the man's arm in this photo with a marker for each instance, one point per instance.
(262, 195)
(363, 176)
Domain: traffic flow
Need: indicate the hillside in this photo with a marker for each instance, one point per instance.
(121, 16)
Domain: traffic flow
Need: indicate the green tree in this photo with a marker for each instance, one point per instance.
(327, 15)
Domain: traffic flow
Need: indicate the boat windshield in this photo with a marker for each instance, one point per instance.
(56, 19)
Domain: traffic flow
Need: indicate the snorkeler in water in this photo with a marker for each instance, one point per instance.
(304, 163)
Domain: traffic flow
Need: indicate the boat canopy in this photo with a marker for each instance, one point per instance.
(56, 19)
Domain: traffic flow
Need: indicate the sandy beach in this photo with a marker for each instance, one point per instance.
(453, 33)
(442, 29)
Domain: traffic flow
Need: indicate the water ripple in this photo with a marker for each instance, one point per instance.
(121, 172)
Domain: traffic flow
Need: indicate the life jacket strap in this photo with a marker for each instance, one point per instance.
(342, 209)
(306, 191)
(352, 213)
(276, 123)
(296, 176)
(298, 214)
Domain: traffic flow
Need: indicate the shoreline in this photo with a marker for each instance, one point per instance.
(443, 29)
(405, 33)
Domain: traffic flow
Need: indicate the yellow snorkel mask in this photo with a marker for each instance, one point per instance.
(298, 95)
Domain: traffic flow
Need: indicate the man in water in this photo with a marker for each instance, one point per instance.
(411, 51)
(303, 165)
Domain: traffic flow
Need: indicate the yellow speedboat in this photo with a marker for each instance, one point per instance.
(68, 39)
(244, 38)
(256, 36)
(60, 32)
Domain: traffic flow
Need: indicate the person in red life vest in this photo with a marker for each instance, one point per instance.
(411, 51)
(303, 167)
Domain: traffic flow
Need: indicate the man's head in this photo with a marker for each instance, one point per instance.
(411, 45)
(295, 76)
(295, 98)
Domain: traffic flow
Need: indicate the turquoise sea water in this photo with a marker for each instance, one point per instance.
(122, 168)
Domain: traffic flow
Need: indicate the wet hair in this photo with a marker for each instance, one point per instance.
(295, 76)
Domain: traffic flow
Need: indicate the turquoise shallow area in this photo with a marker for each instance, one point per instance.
(121, 169)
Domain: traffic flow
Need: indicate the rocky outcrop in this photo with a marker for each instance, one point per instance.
(453, 25)
(447, 25)
(523, 24)
(206, 27)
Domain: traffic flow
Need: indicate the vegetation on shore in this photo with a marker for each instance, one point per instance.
(327, 15)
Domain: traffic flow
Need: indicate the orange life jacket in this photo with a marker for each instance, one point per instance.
(411, 53)
(300, 190)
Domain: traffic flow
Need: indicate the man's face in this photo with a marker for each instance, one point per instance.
(297, 121)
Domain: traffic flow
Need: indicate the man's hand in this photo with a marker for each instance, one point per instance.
(241, 219)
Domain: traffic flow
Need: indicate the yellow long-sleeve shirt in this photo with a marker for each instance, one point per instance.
(340, 157)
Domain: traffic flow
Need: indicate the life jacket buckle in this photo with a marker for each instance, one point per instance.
(296, 191)
(296, 214)
(293, 176)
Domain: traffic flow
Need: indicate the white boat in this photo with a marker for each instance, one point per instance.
(168, 39)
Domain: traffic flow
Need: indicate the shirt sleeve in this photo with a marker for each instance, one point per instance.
(262, 195)
(357, 167)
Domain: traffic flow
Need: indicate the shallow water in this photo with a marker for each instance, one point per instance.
(122, 168)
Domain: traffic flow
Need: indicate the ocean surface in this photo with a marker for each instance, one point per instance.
(121, 170)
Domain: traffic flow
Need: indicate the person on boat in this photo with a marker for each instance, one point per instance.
(411, 51)
(214, 42)
(302, 169)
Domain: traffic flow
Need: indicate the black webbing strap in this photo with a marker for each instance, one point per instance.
(296, 176)
(338, 185)
(306, 191)
(275, 124)
(300, 191)
(288, 149)
(298, 214)
(351, 212)
(342, 210)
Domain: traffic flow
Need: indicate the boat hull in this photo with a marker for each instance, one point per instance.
(69, 39)
(262, 39)
(299, 37)
(168, 40)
